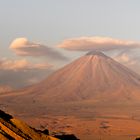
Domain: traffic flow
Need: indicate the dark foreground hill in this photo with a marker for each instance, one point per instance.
(14, 129)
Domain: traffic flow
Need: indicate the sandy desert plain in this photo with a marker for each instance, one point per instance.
(87, 123)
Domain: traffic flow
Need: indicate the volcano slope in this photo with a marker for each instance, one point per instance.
(93, 86)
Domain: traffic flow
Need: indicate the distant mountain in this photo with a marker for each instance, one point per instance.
(94, 76)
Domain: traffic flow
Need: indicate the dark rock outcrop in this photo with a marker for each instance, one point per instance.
(67, 137)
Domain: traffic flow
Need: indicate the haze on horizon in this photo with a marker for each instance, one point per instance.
(38, 37)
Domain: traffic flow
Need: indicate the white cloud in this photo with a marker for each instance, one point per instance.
(23, 47)
(126, 59)
(23, 64)
(22, 72)
(97, 43)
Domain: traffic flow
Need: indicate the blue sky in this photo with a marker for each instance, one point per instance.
(49, 22)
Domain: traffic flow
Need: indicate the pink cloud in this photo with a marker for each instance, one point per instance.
(22, 64)
(97, 43)
(24, 47)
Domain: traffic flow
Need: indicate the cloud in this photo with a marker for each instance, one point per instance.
(22, 64)
(22, 72)
(129, 58)
(23, 47)
(97, 44)
(126, 59)
(23, 78)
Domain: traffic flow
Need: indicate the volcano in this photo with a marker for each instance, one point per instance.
(94, 76)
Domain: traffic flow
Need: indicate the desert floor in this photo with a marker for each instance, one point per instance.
(87, 122)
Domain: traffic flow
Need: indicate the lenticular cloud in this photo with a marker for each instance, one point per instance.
(97, 44)
(24, 47)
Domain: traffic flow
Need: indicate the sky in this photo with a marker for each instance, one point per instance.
(37, 36)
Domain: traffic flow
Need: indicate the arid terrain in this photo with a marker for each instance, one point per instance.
(70, 69)
(86, 122)
(92, 128)
(14, 129)
(94, 97)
